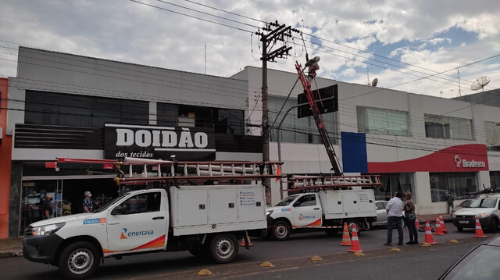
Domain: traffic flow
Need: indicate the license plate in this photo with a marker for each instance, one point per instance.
(463, 222)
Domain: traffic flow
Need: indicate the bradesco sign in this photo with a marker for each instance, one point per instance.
(155, 142)
(469, 163)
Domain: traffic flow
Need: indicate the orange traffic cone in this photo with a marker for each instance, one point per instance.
(443, 227)
(479, 230)
(428, 234)
(439, 230)
(242, 244)
(355, 247)
(417, 224)
(346, 239)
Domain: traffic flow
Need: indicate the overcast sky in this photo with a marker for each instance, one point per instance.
(397, 41)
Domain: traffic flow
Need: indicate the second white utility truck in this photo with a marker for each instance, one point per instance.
(321, 210)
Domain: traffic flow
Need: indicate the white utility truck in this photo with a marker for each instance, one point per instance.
(486, 207)
(322, 210)
(204, 219)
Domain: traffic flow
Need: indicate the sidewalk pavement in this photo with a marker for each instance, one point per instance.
(432, 218)
(11, 247)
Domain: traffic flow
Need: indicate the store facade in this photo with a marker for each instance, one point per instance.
(68, 106)
(426, 145)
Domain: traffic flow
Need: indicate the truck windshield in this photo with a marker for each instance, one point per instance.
(483, 203)
(111, 202)
(287, 200)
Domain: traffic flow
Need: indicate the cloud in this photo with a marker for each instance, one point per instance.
(130, 32)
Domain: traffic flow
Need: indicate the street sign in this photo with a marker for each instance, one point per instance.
(327, 106)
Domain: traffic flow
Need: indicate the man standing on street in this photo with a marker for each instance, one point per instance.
(450, 200)
(47, 207)
(88, 206)
(394, 218)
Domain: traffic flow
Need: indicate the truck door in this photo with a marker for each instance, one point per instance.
(139, 223)
(307, 211)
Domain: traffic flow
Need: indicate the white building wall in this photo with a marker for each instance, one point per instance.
(380, 148)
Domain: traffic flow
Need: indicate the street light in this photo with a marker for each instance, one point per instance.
(279, 136)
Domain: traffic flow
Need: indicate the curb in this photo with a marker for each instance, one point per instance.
(10, 254)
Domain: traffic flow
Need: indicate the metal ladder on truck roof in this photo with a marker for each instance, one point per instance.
(151, 170)
(306, 182)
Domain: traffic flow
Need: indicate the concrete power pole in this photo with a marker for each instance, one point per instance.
(273, 32)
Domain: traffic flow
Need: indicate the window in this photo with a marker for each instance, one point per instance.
(301, 130)
(458, 184)
(492, 135)
(142, 203)
(495, 179)
(226, 121)
(306, 200)
(481, 263)
(397, 182)
(52, 108)
(382, 121)
(448, 128)
(379, 205)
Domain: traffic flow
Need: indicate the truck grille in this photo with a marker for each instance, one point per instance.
(28, 231)
(466, 216)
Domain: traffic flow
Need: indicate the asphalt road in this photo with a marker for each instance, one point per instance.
(291, 255)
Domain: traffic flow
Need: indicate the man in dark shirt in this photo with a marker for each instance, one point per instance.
(88, 206)
(47, 207)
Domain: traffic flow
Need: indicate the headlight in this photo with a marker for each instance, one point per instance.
(484, 215)
(48, 229)
(269, 212)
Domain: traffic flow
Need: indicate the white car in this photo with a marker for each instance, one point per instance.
(486, 208)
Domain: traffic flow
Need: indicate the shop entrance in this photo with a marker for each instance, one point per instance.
(68, 196)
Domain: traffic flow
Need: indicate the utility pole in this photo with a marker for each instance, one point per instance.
(205, 58)
(273, 33)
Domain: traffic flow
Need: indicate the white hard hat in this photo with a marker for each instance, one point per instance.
(316, 58)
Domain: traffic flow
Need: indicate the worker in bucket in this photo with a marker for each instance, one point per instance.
(313, 66)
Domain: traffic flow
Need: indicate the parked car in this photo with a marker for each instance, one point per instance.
(464, 204)
(382, 214)
(486, 208)
(480, 263)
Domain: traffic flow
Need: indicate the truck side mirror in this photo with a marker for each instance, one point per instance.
(118, 210)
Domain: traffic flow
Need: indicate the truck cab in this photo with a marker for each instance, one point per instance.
(323, 210)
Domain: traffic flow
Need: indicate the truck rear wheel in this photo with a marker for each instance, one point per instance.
(223, 248)
(281, 231)
(79, 260)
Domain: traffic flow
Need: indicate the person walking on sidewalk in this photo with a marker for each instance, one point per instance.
(450, 200)
(410, 217)
(395, 218)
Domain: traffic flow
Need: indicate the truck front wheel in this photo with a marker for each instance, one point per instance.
(224, 248)
(281, 231)
(79, 260)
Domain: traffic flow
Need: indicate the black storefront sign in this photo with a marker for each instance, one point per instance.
(158, 142)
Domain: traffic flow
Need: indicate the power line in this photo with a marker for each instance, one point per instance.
(198, 18)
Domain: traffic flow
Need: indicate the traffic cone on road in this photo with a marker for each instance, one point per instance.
(479, 230)
(346, 239)
(355, 247)
(439, 230)
(429, 239)
(443, 227)
(242, 244)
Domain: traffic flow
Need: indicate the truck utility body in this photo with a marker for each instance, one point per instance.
(326, 209)
(206, 220)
